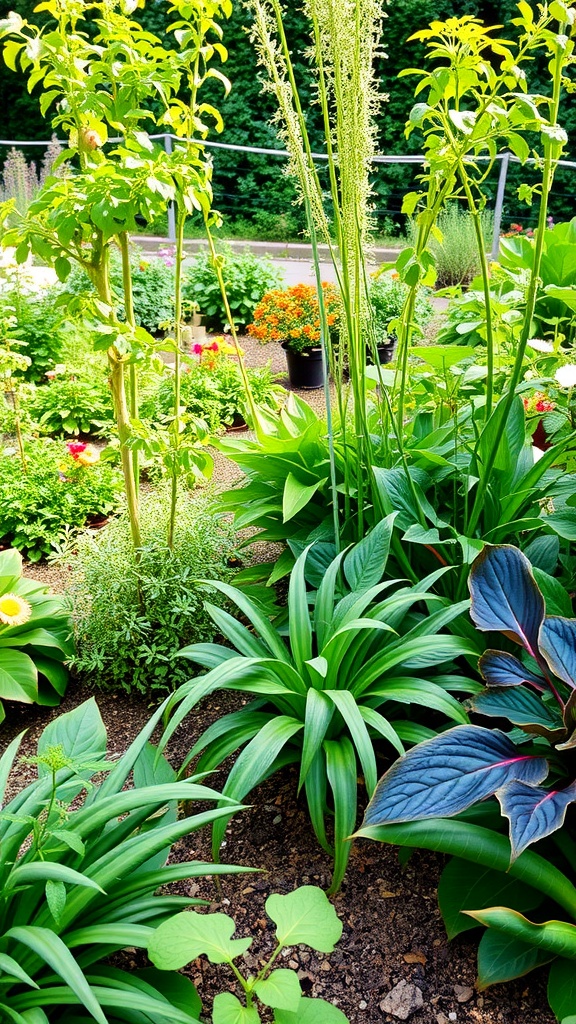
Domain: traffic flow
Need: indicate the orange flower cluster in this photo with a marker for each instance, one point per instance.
(293, 315)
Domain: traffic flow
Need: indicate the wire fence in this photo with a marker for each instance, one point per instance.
(236, 193)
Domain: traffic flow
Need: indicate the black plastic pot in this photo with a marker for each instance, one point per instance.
(305, 369)
(385, 351)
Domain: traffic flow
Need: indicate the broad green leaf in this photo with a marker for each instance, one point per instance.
(312, 1011)
(18, 677)
(305, 915)
(281, 990)
(80, 732)
(354, 722)
(188, 935)
(297, 495)
(176, 988)
(319, 714)
(562, 988)
(555, 937)
(227, 1009)
(503, 958)
(365, 563)
(466, 886)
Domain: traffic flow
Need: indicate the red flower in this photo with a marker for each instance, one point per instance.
(76, 448)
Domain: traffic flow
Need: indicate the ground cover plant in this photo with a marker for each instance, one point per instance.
(35, 643)
(83, 853)
(303, 917)
(527, 768)
(340, 683)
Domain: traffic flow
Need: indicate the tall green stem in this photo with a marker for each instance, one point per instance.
(549, 170)
(124, 243)
(180, 221)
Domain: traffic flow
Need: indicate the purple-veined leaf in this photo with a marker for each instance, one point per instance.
(558, 645)
(445, 775)
(505, 596)
(521, 707)
(533, 812)
(499, 668)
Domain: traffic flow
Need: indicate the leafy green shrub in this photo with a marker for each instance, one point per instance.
(343, 680)
(213, 390)
(387, 297)
(34, 638)
(247, 277)
(457, 260)
(81, 863)
(303, 917)
(38, 329)
(131, 619)
(152, 284)
(55, 491)
(74, 402)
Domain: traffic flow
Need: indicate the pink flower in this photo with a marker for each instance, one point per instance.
(197, 348)
(214, 347)
(76, 448)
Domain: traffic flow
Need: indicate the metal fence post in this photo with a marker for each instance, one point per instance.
(504, 161)
(171, 212)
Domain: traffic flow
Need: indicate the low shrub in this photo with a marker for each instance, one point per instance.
(39, 327)
(247, 278)
(457, 260)
(61, 486)
(212, 389)
(152, 284)
(83, 851)
(74, 402)
(387, 297)
(131, 619)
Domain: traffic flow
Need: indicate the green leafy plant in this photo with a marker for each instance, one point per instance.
(52, 492)
(323, 699)
(131, 617)
(152, 279)
(38, 327)
(74, 402)
(35, 643)
(212, 389)
(247, 277)
(455, 246)
(529, 770)
(84, 849)
(302, 917)
(387, 296)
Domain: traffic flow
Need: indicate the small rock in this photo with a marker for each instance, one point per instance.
(452, 1016)
(414, 958)
(463, 993)
(403, 1000)
(293, 964)
(442, 1019)
(325, 966)
(362, 1005)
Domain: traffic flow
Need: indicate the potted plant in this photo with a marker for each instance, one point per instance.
(292, 317)
(387, 297)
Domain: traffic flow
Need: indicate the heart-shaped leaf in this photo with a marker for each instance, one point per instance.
(505, 596)
(448, 773)
(227, 1009)
(281, 990)
(305, 915)
(533, 812)
(188, 935)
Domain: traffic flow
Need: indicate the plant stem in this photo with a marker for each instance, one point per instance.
(180, 220)
(131, 320)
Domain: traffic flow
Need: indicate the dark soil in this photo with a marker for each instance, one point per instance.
(392, 926)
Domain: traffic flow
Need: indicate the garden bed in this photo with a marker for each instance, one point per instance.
(392, 926)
